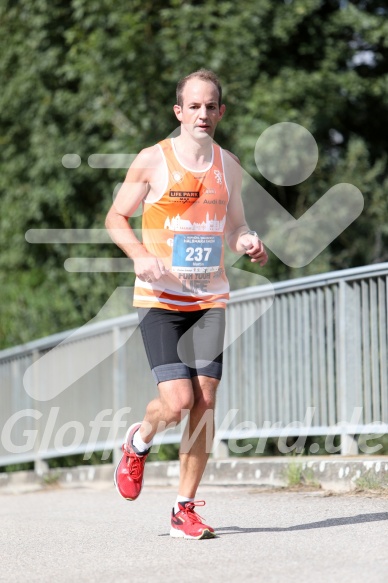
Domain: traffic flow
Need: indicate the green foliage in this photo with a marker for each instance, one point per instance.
(164, 452)
(369, 481)
(24, 467)
(310, 445)
(97, 76)
(68, 461)
(373, 445)
(51, 478)
(295, 475)
(72, 461)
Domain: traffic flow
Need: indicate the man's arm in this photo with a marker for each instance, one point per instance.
(141, 178)
(237, 230)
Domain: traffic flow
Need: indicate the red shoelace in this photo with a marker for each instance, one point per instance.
(135, 464)
(188, 509)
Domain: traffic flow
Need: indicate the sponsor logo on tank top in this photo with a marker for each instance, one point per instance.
(184, 193)
(218, 176)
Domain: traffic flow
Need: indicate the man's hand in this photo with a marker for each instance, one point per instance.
(149, 268)
(254, 248)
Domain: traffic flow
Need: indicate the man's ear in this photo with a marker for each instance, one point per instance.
(178, 112)
(222, 111)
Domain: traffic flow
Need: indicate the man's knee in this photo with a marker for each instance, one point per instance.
(178, 410)
(205, 393)
(178, 398)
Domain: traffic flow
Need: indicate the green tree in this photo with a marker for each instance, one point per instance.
(97, 76)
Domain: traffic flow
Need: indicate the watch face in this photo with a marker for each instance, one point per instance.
(250, 233)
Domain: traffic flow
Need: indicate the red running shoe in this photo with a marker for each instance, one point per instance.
(128, 477)
(188, 524)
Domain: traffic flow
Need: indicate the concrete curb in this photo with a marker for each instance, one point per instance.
(330, 474)
(337, 474)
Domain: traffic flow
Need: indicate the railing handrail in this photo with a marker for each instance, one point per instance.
(248, 293)
(318, 352)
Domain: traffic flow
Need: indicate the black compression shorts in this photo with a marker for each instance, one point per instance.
(181, 345)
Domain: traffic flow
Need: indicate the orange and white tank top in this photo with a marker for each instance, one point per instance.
(185, 227)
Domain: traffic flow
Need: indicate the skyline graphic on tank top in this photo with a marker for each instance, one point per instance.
(185, 227)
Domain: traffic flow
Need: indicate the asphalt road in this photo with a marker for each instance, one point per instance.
(92, 535)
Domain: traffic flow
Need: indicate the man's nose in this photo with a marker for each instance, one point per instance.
(203, 112)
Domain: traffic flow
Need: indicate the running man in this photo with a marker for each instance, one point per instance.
(190, 190)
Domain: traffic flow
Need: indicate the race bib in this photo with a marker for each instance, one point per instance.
(196, 253)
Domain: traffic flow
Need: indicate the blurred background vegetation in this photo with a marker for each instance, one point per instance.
(250, 447)
(99, 76)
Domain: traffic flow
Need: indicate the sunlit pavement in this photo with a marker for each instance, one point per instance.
(90, 534)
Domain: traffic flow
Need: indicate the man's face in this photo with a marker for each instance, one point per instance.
(200, 112)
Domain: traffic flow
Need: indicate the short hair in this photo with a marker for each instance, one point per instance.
(205, 75)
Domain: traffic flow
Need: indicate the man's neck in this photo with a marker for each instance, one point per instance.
(193, 153)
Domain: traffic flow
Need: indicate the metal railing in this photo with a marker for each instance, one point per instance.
(313, 363)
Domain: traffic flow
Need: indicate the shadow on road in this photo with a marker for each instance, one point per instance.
(329, 522)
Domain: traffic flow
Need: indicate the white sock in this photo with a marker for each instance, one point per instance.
(139, 444)
(182, 500)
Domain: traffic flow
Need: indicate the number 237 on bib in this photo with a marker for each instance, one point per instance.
(196, 253)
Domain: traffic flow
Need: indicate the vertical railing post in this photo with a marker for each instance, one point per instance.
(347, 353)
(40, 465)
(118, 386)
